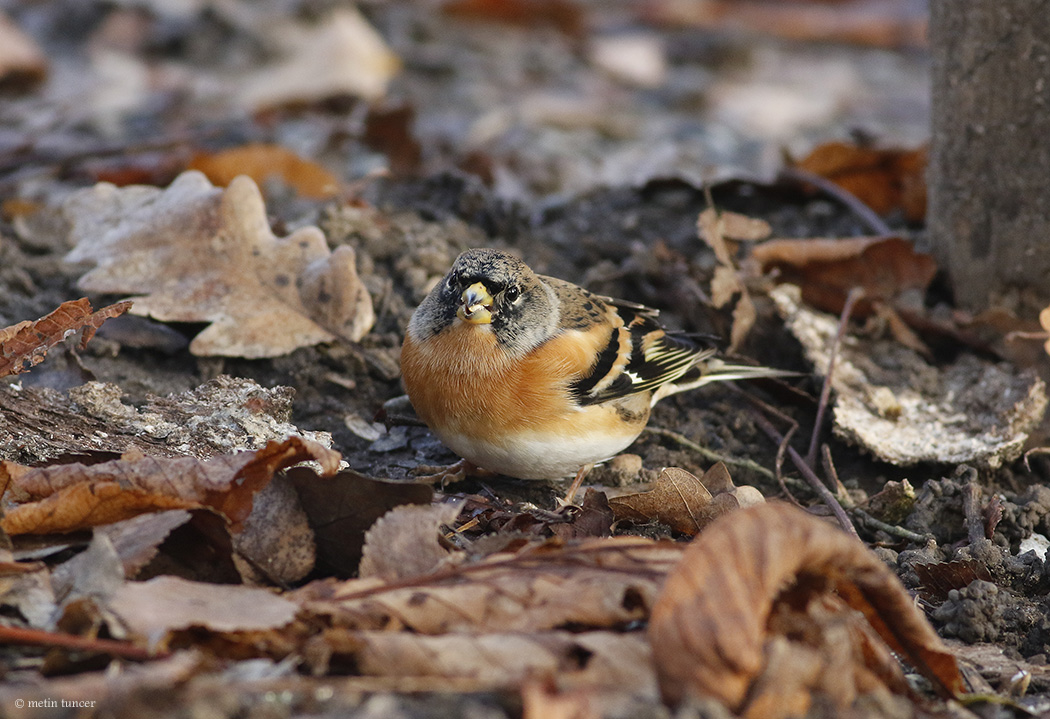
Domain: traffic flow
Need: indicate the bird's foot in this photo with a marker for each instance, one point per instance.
(575, 486)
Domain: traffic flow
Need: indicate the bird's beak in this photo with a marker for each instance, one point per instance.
(475, 305)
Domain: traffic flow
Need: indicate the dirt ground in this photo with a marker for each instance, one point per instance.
(519, 138)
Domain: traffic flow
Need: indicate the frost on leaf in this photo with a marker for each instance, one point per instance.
(772, 611)
(198, 253)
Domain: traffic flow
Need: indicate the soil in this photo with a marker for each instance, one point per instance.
(608, 200)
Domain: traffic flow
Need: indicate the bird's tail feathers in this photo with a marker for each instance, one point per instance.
(717, 370)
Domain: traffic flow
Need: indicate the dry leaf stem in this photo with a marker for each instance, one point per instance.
(869, 521)
(707, 454)
(39, 637)
(825, 392)
(807, 472)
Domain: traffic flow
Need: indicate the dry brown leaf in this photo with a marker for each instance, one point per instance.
(68, 497)
(596, 584)
(715, 228)
(1044, 322)
(197, 253)
(565, 15)
(681, 500)
(22, 62)
(608, 660)
(340, 55)
(153, 608)
(879, 23)
(24, 345)
(261, 161)
(827, 269)
(904, 410)
(403, 543)
(714, 630)
(883, 179)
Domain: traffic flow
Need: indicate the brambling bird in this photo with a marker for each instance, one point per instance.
(534, 377)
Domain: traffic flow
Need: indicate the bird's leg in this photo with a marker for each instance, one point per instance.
(456, 472)
(576, 482)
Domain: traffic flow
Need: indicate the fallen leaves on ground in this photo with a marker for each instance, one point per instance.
(717, 229)
(879, 23)
(161, 605)
(22, 62)
(827, 269)
(24, 345)
(197, 253)
(338, 56)
(67, 497)
(261, 161)
(764, 614)
(892, 401)
(598, 583)
(684, 502)
(886, 180)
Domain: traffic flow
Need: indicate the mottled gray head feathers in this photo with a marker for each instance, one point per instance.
(524, 310)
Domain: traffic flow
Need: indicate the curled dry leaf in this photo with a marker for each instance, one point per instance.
(595, 584)
(25, 345)
(685, 503)
(153, 608)
(758, 616)
(261, 161)
(197, 253)
(826, 269)
(68, 497)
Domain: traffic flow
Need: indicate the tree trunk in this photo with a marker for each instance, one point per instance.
(989, 177)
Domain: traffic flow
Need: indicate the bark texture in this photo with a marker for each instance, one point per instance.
(989, 177)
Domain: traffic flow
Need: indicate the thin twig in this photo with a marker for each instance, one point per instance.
(709, 455)
(779, 463)
(891, 529)
(832, 475)
(867, 519)
(825, 392)
(39, 637)
(810, 476)
(864, 213)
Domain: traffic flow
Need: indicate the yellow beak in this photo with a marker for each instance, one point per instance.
(475, 305)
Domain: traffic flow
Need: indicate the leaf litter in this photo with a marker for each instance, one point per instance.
(483, 588)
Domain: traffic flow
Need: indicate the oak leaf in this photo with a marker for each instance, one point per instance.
(25, 344)
(761, 615)
(197, 253)
(68, 497)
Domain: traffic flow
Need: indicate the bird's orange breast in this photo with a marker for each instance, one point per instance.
(461, 381)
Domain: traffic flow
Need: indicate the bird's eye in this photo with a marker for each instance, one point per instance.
(512, 293)
(452, 281)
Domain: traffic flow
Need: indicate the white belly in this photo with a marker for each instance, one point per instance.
(535, 456)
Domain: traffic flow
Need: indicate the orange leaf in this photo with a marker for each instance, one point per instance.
(260, 161)
(828, 269)
(883, 179)
(25, 345)
(714, 629)
(68, 497)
